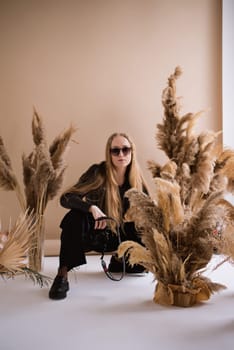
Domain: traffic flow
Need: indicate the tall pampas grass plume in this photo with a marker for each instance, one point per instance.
(181, 225)
(43, 174)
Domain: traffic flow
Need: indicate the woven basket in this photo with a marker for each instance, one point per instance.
(179, 295)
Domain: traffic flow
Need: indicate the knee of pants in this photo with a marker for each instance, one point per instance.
(76, 218)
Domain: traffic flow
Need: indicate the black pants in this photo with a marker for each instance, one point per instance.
(75, 225)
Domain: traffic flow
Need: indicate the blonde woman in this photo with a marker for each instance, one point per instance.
(99, 193)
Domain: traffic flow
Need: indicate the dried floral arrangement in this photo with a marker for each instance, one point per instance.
(14, 246)
(189, 216)
(43, 172)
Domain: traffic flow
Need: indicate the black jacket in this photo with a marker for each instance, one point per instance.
(71, 200)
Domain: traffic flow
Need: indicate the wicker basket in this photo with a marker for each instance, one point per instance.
(179, 295)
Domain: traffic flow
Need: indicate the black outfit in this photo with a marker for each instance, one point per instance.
(78, 221)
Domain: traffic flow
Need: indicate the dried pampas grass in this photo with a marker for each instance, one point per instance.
(43, 173)
(8, 180)
(177, 227)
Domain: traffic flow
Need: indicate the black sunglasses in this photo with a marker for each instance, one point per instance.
(116, 151)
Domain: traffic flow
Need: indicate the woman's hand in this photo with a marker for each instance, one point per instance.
(97, 213)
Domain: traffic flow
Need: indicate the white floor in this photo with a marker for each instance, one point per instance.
(101, 314)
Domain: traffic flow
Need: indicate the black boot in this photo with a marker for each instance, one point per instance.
(116, 265)
(59, 288)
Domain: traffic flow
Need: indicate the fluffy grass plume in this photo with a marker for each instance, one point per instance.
(177, 226)
(8, 179)
(43, 173)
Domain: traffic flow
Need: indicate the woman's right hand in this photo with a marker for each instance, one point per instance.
(97, 213)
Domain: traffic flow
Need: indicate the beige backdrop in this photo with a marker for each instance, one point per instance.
(102, 65)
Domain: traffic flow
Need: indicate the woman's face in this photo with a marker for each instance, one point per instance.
(121, 153)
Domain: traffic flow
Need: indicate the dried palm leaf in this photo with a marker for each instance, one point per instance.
(14, 251)
(36, 277)
(15, 248)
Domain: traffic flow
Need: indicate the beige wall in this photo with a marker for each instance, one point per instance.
(102, 64)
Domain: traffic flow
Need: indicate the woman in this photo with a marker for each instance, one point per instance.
(99, 193)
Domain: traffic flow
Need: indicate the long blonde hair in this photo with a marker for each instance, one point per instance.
(112, 205)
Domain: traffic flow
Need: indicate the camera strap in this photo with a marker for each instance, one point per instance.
(103, 263)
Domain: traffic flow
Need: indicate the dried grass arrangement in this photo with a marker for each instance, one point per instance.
(181, 226)
(14, 247)
(43, 173)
